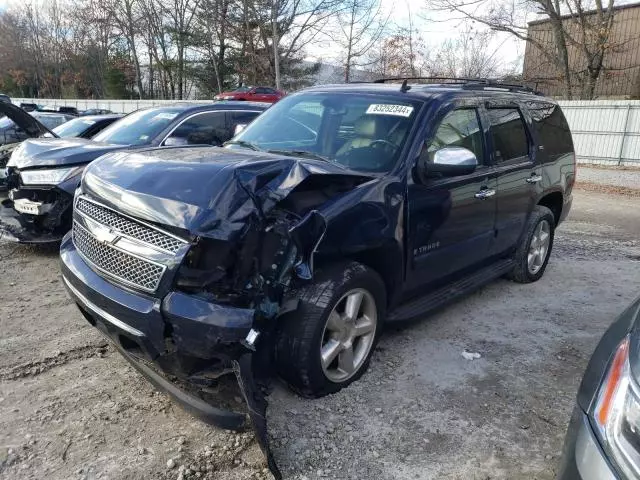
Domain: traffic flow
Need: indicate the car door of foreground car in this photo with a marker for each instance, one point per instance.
(512, 151)
(451, 219)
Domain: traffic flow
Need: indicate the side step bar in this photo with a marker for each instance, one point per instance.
(440, 297)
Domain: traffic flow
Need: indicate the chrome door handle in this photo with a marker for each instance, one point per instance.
(534, 178)
(486, 193)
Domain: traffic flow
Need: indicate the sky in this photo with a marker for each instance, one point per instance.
(433, 32)
(434, 28)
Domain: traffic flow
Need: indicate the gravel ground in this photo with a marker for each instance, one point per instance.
(629, 178)
(71, 408)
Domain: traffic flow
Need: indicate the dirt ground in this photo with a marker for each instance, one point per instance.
(71, 408)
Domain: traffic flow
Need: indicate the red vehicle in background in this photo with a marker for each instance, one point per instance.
(252, 94)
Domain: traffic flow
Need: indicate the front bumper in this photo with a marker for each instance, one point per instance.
(49, 225)
(583, 458)
(185, 346)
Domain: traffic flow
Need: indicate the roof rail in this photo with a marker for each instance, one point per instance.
(453, 80)
(468, 83)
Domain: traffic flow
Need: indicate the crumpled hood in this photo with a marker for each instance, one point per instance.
(58, 152)
(208, 191)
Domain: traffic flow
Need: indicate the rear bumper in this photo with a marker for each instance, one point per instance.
(176, 344)
(583, 458)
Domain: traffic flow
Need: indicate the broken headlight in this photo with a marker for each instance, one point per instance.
(205, 264)
(52, 176)
(617, 413)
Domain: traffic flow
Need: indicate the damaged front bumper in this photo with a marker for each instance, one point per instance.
(35, 216)
(190, 348)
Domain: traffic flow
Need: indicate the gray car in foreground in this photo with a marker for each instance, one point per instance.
(603, 439)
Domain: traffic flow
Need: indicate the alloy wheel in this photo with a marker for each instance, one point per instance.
(348, 335)
(539, 247)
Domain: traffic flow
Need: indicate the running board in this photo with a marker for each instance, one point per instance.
(450, 292)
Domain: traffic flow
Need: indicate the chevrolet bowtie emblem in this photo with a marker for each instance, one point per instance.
(105, 235)
(102, 233)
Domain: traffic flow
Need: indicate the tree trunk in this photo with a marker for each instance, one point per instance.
(180, 71)
(563, 54)
(276, 42)
(347, 69)
(151, 73)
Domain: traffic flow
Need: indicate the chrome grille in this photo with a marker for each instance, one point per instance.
(127, 268)
(128, 227)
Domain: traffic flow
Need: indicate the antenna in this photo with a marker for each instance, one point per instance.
(405, 88)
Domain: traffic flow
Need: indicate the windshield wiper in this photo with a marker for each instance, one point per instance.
(300, 153)
(242, 143)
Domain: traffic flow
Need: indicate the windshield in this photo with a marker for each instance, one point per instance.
(138, 128)
(50, 120)
(73, 128)
(361, 132)
(242, 89)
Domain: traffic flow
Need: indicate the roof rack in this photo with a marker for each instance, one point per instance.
(466, 83)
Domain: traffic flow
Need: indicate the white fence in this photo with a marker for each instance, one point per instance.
(117, 106)
(605, 132)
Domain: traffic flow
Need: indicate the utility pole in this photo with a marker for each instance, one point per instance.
(276, 41)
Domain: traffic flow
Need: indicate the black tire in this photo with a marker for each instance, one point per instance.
(301, 332)
(521, 272)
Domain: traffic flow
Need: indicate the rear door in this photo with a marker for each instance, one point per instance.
(451, 219)
(512, 150)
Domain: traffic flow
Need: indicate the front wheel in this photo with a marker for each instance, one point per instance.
(534, 250)
(328, 341)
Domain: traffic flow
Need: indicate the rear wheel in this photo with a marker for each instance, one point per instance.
(535, 246)
(327, 342)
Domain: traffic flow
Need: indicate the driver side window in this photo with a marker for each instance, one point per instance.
(459, 128)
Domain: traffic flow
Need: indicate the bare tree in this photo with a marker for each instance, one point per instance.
(361, 24)
(181, 14)
(572, 27)
(127, 17)
(398, 55)
(470, 55)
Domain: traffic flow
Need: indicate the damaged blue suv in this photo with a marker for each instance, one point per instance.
(339, 210)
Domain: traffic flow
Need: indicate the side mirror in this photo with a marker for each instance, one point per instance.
(448, 162)
(239, 128)
(175, 142)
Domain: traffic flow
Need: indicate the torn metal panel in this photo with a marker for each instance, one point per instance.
(250, 384)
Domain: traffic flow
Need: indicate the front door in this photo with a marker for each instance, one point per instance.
(451, 219)
(517, 174)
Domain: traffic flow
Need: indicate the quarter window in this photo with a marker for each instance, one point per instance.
(459, 128)
(552, 128)
(509, 134)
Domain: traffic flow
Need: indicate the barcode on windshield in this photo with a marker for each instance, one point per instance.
(388, 109)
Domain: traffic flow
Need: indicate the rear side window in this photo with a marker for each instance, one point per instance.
(552, 128)
(203, 129)
(508, 133)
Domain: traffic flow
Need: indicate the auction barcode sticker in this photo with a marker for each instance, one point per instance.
(388, 109)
